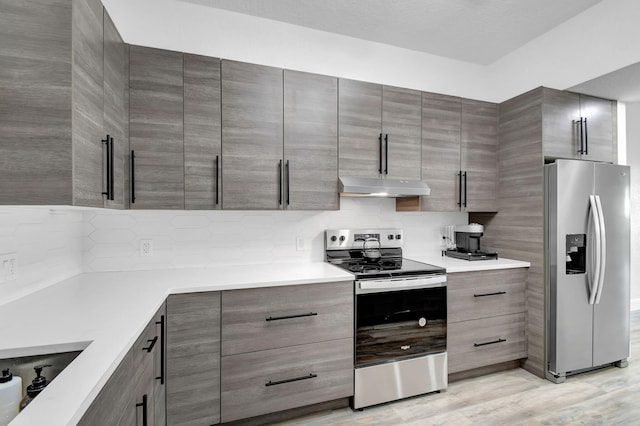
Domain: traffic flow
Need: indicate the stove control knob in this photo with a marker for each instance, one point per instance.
(334, 238)
(422, 322)
(398, 236)
(341, 238)
(390, 237)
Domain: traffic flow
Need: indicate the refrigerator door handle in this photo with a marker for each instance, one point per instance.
(595, 279)
(603, 249)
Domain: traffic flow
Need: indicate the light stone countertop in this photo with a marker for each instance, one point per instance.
(453, 265)
(102, 314)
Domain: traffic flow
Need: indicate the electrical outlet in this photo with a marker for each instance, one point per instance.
(146, 248)
(8, 267)
(300, 243)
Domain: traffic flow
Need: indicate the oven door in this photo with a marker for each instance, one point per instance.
(392, 325)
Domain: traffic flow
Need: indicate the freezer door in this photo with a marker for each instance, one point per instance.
(611, 313)
(569, 316)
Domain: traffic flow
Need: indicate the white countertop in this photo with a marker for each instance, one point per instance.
(453, 265)
(102, 314)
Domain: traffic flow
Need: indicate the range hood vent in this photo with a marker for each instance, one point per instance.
(390, 188)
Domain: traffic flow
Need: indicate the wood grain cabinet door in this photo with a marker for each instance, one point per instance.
(116, 115)
(310, 141)
(560, 110)
(252, 126)
(36, 110)
(601, 128)
(478, 155)
(360, 128)
(88, 116)
(193, 359)
(441, 117)
(401, 127)
(156, 128)
(202, 133)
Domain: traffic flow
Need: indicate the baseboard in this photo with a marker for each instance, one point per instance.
(635, 304)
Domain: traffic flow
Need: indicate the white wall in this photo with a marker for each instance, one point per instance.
(208, 238)
(633, 159)
(47, 244)
(601, 39)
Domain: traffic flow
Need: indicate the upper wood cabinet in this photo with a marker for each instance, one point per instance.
(202, 133)
(252, 125)
(459, 154)
(578, 126)
(279, 139)
(379, 131)
(59, 111)
(156, 128)
(478, 155)
(441, 116)
(310, 141)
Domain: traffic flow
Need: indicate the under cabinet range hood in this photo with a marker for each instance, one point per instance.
(372, 187)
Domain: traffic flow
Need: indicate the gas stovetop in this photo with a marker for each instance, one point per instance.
(373, 253)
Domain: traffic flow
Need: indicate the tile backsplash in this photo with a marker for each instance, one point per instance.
(111, 239)
(51, 244)
(46, 244)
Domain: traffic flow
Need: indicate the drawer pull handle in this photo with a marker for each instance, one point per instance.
(490, 294)
(489, 343)
(151, 345)
(295, 379)
(310, 314)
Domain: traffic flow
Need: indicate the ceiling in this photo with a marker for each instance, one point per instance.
(476, 31)
(622, 85)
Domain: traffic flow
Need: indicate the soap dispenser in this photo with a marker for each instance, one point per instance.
(36, 386)
(10, 395)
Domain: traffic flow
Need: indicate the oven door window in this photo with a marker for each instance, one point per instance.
(399, 324)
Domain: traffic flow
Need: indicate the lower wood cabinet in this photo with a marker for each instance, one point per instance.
(135, 392)
(193, 359)
(285, 347)
(486, 319)
(268, 381)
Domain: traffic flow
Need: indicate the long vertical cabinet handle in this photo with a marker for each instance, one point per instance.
(105, 142)
(144, 406)
(586, 137)
(460, 188)
(280, 183)
(386, 154)
(380, 144)
(603, 249)
(217, 180)
(578, 124)
(111, 196)
(288, 184)
(465, 189)
(133, 176)
(595, 279)
(161, 323)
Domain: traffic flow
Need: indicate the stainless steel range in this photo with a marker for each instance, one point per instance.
(400, 316)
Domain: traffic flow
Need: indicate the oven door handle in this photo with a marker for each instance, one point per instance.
(392, 284)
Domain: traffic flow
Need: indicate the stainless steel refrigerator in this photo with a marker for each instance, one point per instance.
(587, 266)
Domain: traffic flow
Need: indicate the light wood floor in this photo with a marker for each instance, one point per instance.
(609, 396)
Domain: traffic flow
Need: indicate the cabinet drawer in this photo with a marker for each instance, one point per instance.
(267, 318)
(264, 382)
(472, 295)
(486, 341)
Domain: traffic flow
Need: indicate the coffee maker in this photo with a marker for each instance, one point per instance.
(468, 243)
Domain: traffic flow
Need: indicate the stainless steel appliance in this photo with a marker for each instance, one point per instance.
(400, 316)
(468, 243)
(587, 272)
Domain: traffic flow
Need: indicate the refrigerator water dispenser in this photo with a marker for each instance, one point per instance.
(576, 254)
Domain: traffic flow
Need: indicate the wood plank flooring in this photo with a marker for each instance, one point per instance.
(605, 397)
